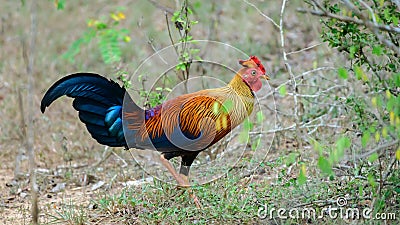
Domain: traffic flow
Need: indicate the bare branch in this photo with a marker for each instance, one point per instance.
(382, 27)
(262, 14)
(170, 35)
(163, 8)
(292, 77)
(378, 149)
(30, 112)
(304, 49)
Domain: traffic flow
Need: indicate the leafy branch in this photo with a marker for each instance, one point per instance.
(183, 24)
(109, 38)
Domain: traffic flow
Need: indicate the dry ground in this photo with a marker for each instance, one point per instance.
(65, 153)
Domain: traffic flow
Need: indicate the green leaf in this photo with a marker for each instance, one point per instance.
(324, 165)
(176, 15)
(373, 157)
(317, 146)
(353, 50)
(291, 158)
(342, 73)
(282, 90)
(243, 136)
(390, 104)
(60, 4)
(377, 136)
(302, 178)
(395, 20)
(256, 143)
(189, 10)
(194, 51)
(361, 190)
(227, 106)
(343, 143)
(384, 132)
(377, 50)
(181, 66)
(109, 47)
(260, 116)
(371, 180)
(360, 74)
(247, 125)
(73, 50)
(365, 138)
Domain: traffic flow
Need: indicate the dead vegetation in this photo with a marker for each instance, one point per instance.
(82, 182)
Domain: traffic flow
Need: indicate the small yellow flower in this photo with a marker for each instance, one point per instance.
(388, 94)
(377, 136)
(121, 15)
(384, 132)
(303, 169)
(374, 101)
(398, 154)
(391, 116)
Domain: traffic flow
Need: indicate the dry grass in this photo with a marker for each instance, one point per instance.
(66, 154)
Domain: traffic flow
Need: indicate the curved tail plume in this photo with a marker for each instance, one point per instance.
(99, 103)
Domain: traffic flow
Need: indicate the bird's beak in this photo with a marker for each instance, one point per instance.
(266, 77)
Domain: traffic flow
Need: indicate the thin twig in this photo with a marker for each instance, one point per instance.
(163, 8)
(304, 49)
(378, 149)
(106, 154)
(262, 14)
(389, 169)
(150, 42)
(292, 77)
(387, 28)
(120, 158)
(170, 35)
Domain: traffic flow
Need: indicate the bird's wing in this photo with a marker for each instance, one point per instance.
(189, 122)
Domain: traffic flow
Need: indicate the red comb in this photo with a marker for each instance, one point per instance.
(258, 62)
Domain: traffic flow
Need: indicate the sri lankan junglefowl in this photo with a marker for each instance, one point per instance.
(183, 126)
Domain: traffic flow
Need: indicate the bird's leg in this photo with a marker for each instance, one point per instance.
(181, 178)
(184, 174)
(171, 169)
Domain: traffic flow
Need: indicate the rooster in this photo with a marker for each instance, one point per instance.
(183, 126)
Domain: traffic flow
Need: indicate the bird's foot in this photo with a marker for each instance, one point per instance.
(186, 184)
(196, 200)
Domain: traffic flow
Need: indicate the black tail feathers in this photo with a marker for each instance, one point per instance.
(99, 102)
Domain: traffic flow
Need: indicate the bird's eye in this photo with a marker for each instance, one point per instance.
(253, 72)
